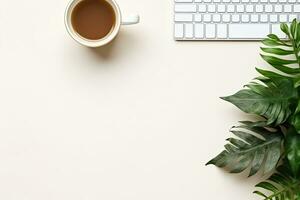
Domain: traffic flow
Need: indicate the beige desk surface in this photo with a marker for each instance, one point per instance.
(136, 120)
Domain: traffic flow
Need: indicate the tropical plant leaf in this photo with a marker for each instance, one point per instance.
(251, 148)
(271, 100)
(276, 50)
(292, 150)
(280, 186)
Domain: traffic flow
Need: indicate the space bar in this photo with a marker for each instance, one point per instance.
(248, 31)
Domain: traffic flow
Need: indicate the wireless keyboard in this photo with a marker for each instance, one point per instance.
(232, 19)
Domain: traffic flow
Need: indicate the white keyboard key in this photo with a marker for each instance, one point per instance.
(273, 18)
(264, 1)
(226, 18)
(254, 1)
(202, 8)
(278, 8)
(230, 8)
(245, 18)
(283, 18)
(226, 1)
(178, 30)
(249, 8)
(287, 8)
(185, 8)
(211, 8)
(222, 31)
(183, 17)
(235, 18)
(245, 1)
(189, 30)
(207, 18)
(254, 18)
(282, 1)
(198, 17)
(268, 8)
(292, 17)
(259, 8)
(276, 30)
(216, 18)
(210, 31)
(207, 1)
(264, 18)
(296, 8)
(221, 8)
(240, 8)
(235, 1)
(250, 31)
(291, 1)
(198, 1)
(216, 1)
(273, 1)
(199, 30)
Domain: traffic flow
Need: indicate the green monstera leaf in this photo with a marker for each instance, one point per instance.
(292, 150)
(253, 146)
(280, 186)
(271, 99)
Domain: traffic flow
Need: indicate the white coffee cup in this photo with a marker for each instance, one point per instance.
(120, 20)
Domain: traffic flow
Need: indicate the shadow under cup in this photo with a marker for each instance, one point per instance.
(101, 19)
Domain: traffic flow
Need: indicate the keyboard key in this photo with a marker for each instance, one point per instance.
(183, 17)
(210, 31)
(268, 8)
(259, 8)
(287, 8)
(249, 8)
(211, 8)
(178, 30)
(199, 30)
(235, 18)
(276, 30)
(278, 8)
(264, 1)
(221, 8)
(222, 31)
(216, 18)
(245, 18)
(202, 8)
(292, 17)
(283, 18)
(240, 8)
(273, 18)
(198, 17)
(230, 8)
(226, 18)
(264, 18)
(189, 30)
(207, 18)
(296, 8)
(185, 8)
(250, 31)
(254, 18)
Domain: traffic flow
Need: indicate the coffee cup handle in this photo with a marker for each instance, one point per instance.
(130, 19)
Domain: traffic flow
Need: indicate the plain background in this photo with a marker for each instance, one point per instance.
(135, 120)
